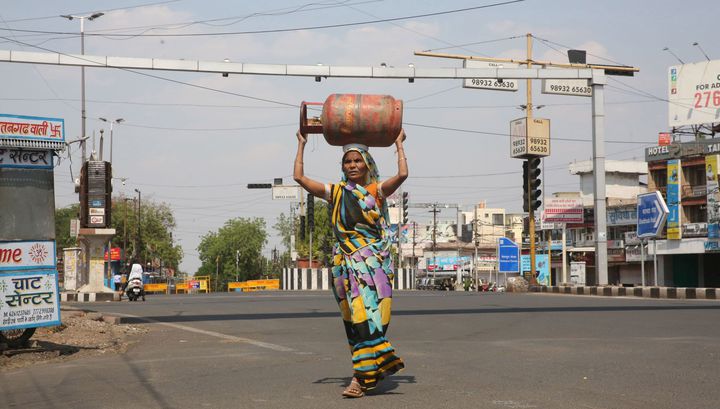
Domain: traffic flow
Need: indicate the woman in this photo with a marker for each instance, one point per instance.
(362, 266)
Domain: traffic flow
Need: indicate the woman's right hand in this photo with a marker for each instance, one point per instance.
(302, 140)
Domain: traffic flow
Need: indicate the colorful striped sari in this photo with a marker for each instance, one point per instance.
(362, 279)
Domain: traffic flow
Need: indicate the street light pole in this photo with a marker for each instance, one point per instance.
(117, 121)
(137, 237)
(90, 17)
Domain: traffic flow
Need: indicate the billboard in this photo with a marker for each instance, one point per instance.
(490, 83)
(713, 196)
(694, 93)
(674, 172)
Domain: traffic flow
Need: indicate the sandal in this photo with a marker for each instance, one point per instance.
(354, 390)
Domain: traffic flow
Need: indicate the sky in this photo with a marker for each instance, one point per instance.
(195, 140)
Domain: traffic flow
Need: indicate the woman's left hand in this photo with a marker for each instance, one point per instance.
(401, 137)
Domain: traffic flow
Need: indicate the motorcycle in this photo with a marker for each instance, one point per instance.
(16, 338)
(135, 290)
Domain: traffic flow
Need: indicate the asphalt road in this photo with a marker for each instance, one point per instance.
(462, 350)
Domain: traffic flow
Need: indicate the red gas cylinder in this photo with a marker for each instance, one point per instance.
(372, 120)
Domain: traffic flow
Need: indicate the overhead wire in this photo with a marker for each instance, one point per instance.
(282, 30)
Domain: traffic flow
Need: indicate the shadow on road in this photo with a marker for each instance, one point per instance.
(460, 311)
(385, 387)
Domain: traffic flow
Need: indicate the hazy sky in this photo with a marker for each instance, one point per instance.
(196, 149)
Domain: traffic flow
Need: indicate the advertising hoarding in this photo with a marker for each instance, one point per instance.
(694, 93)
(674, 176)
(713, 196)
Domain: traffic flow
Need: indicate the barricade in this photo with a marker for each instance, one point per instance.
(255, 285)
(156, 288)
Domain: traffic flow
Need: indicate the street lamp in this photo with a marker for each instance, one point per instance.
(137, 237)
(117, 121)
(90, 17)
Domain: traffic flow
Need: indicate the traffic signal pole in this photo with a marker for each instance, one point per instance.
(531, 212)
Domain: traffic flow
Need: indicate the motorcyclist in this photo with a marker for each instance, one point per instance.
(136, 272)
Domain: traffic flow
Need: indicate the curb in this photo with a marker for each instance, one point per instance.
(643, 292)
(88, 297)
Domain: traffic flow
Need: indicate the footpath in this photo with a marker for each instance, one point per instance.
(645, 292)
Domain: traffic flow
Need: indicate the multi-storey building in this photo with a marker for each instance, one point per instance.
(688, 251)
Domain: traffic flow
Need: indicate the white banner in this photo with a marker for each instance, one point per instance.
(18, 255)
(29, 299)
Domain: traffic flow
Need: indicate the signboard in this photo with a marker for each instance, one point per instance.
(29, 299)
(621, 216)
(446, 263)
(115, 254)
(713, 196)
(490, 83)
(694, 93)
(18, 255)
(578, 88)
(664, 138)
(577, 272)
(25, 158)
(508, 256)
(74, 227)
(542, 267)
(674, 172)
(32, 128)
(652, 211)
(563, 210)
(529, 138)
(281, 192)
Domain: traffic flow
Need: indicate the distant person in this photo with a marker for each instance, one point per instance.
(117, 281)
(362, 265)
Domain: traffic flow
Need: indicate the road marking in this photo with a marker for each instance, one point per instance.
(233, 338)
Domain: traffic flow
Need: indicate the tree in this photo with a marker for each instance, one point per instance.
(323, 236)
(62, 226)
(218, 251)
(157, 223)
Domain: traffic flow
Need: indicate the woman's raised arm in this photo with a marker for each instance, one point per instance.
(313, 187)
(390, 185)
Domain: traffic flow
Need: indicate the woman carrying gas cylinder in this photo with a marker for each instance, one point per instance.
(362, 264)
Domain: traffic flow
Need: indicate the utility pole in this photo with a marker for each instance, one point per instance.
(476, 237)
(90, 17)
(434, 211)
(138, 240)
(125, 240)
(237, 265)
(414, 242)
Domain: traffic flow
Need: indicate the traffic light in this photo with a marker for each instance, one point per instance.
(259, 186)
(531, 184)
(302, 228)
(526, 202)
(534, 178)
(311, 212)
(405, 205)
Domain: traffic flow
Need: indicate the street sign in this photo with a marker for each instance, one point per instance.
(509, 256)
(563, 210)
(490, 83)
(578, 88)
(282, 192)
(652, 211)
(529, 137)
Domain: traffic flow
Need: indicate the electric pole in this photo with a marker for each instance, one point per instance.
(434, 211)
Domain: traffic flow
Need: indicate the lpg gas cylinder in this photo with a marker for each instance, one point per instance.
(372, 120)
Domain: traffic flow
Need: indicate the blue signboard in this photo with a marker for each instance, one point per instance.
(652, 211)
(508, 255)
(542, 267)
